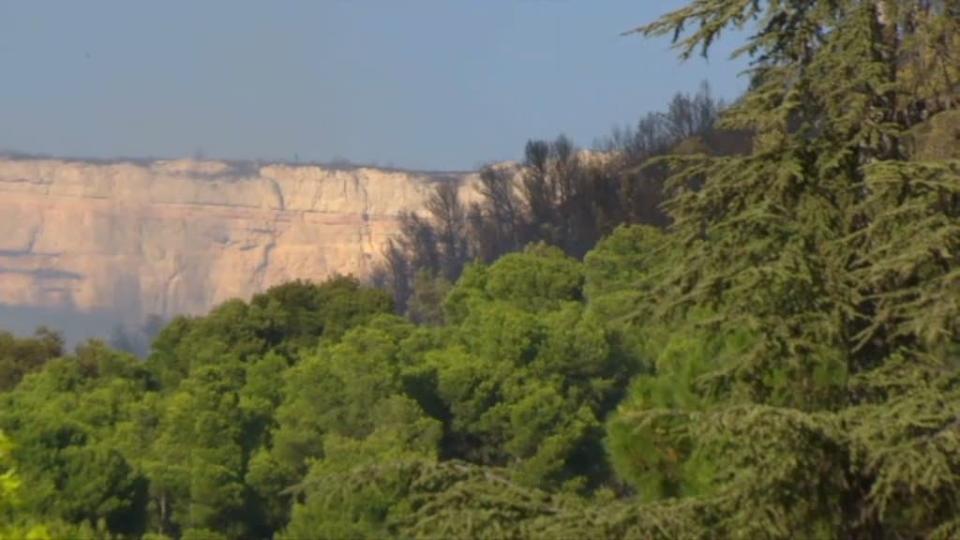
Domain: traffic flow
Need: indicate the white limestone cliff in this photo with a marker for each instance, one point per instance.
(171, 237)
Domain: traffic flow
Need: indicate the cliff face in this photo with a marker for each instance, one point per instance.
(170, 237)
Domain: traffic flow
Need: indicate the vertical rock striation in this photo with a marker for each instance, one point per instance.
(171, 237)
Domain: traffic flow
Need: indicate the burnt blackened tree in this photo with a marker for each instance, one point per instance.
(558, 194)
(448, 217)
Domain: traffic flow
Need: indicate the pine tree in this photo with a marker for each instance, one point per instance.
(837, 249)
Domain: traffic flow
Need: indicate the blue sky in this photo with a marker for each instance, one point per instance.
(422, 84)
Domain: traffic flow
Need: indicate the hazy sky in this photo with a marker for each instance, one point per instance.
(439, 84)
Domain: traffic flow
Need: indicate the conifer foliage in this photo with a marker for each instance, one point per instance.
(836, 248)
(781, 361)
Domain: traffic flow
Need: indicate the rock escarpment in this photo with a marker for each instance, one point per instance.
(171, 237)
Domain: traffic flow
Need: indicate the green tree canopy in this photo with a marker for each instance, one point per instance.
(19, 356)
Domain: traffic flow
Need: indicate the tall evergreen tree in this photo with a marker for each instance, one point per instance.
(838, 253)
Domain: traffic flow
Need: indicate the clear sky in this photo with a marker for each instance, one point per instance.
(423, 84)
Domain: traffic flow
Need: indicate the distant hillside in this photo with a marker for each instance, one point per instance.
(126, 239)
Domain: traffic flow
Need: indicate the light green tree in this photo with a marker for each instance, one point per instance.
(12, 528)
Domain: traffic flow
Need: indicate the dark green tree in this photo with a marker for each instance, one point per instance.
(63, 418)
(19, 356)
(837, 255)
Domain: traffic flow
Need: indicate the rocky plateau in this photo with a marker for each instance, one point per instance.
(118, 241)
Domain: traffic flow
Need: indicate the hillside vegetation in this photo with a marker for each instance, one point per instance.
(781, 359)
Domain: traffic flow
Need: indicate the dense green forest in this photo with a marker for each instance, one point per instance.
(772, 353)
